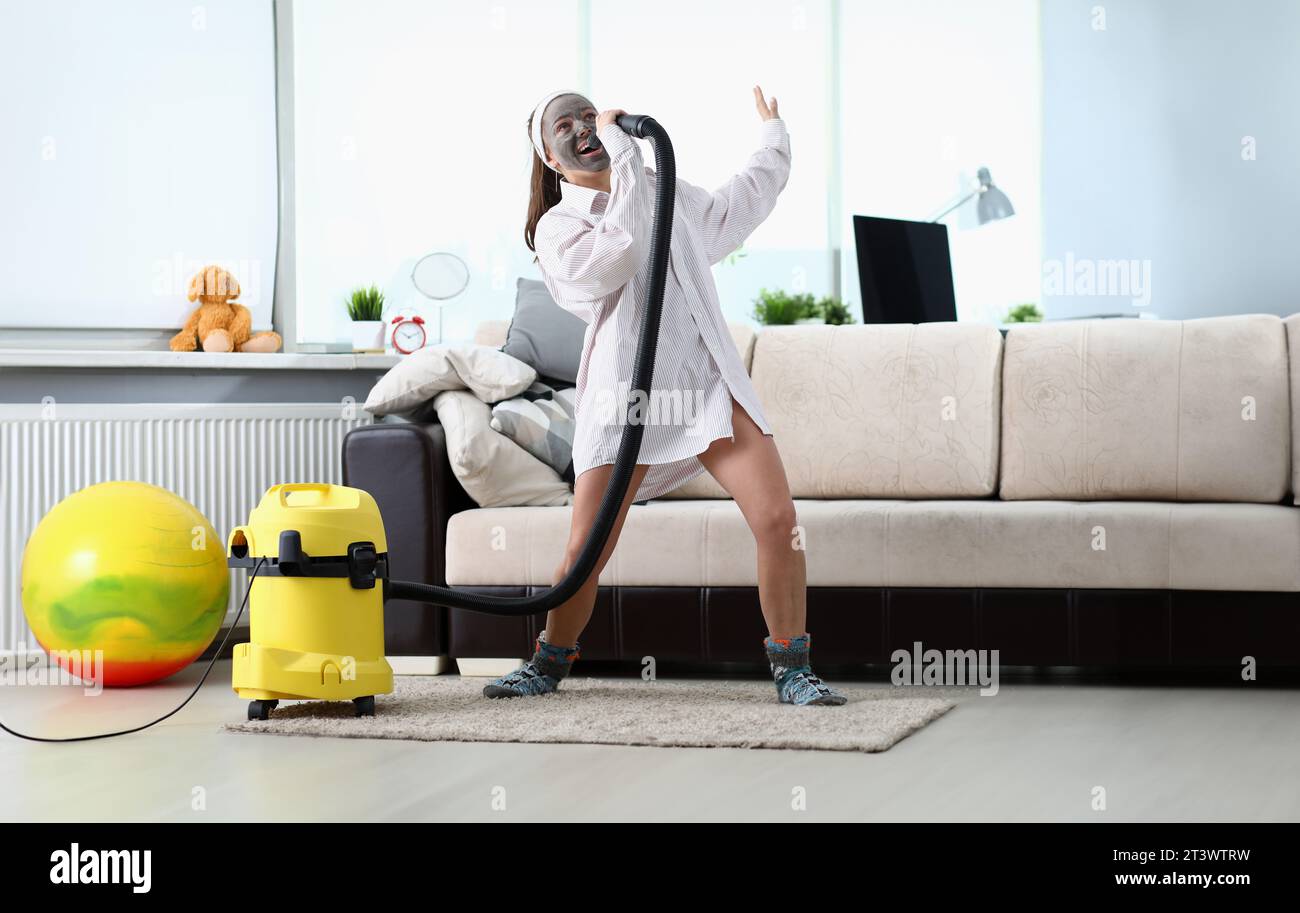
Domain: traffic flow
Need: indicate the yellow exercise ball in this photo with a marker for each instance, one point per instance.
(128, 568)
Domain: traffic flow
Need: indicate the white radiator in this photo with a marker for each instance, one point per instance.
(220, 458)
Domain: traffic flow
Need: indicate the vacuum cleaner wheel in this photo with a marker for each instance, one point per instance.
(261, 710)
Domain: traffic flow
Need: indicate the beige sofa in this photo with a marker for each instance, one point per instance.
(1108, 492)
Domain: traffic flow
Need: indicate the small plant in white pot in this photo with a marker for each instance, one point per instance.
(809, 310)
(366, 308)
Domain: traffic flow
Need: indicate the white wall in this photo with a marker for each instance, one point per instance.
(1148, 111)
(138, 146)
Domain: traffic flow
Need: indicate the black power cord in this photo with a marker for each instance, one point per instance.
(211, 662)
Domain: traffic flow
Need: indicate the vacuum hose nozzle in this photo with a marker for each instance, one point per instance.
(637, 125)
(641, 126)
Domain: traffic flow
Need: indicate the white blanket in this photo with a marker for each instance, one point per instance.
(488, 373)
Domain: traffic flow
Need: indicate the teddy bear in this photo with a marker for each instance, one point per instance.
(219, 324)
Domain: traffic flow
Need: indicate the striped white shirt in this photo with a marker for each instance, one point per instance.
(593, 248)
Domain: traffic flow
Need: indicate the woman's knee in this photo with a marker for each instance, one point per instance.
(774, 520)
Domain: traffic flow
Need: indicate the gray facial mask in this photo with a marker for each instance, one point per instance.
(568, 125)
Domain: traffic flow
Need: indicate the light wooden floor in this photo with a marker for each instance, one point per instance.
(1033, 752)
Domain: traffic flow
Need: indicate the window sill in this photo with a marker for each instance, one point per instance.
(190, 361)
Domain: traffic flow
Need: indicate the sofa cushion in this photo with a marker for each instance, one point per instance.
(493, 470)
(544, 335)
(877, 543)
(883, 410)
(542, 421)
(1194, 410)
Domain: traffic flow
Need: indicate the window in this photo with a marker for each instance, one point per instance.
(410, 134)
(931, 90)
(411, 137)
(139, 146)
(144, 143)
(693, 67)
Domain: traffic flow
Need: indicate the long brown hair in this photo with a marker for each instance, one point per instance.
(543, 194)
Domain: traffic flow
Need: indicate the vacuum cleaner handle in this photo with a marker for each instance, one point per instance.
(635, 124)
(641, 126)
(289, 487)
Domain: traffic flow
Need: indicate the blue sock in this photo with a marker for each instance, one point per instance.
(540, 675)
(795, 682)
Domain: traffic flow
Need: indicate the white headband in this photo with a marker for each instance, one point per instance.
(537, 124)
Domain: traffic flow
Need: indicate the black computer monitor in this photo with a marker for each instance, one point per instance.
(904, 271)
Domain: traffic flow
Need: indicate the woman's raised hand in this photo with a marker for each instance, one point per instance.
(608, 116)
(766, 109)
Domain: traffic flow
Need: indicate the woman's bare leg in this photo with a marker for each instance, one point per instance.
(565, 623)
(557, 650)
(751, 471)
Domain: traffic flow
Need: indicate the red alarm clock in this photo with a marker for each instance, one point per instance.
(408, 334)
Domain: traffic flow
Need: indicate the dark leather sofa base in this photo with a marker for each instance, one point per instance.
(1112, 629)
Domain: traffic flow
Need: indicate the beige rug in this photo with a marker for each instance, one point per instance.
(706, 714)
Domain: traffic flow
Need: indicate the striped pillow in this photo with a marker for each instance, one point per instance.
(541, 420)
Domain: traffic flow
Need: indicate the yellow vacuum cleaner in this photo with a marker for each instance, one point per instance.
(316, 613)
(319, 559)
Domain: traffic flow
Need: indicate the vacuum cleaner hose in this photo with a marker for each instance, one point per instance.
(629, 446)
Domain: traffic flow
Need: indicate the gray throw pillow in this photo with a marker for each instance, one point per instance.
(542, 421)
(544, 335)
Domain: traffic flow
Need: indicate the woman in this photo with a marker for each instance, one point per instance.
(589, 223)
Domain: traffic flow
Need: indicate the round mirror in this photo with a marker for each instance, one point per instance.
(440, 276)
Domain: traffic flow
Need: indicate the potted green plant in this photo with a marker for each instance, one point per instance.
(366, 308)
(1024, 313)
(834, 311)
(778, 308)
(810, 309)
